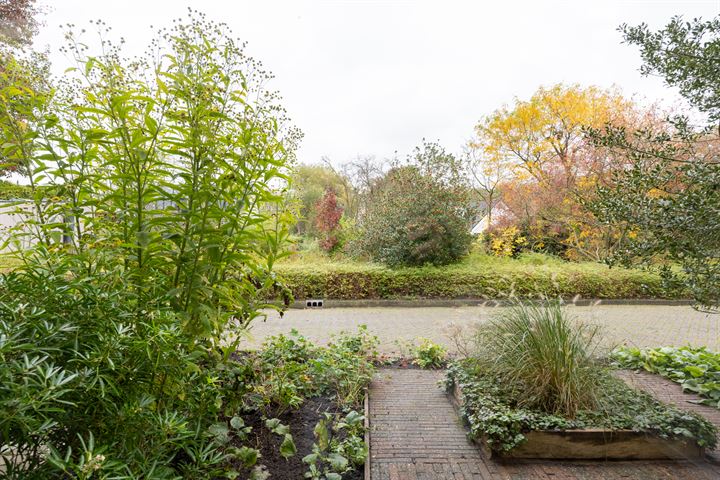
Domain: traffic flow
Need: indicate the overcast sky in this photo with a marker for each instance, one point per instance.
(371, 77)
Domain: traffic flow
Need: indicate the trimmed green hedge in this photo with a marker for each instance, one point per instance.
(493, 279)
(11, 191)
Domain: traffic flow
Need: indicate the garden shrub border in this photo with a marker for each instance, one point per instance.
(505, 431)
(372, 282)
(305, 370)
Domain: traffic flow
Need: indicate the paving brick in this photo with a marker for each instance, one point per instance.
(636, 325)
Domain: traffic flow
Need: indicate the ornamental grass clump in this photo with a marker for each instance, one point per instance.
(543, 357)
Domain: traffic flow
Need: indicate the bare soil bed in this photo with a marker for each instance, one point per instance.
(301, 422)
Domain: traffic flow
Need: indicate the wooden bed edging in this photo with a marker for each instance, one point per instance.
(366, 404)
(592, 444)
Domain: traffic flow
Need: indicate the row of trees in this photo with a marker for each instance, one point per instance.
(529, 168)
(592, 175)
(407, 211)
(581, 172)
(537, 160)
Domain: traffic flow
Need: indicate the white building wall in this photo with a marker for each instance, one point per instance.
(10, 219)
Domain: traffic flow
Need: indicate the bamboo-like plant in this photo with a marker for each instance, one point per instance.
(156, 220)
(168, 167)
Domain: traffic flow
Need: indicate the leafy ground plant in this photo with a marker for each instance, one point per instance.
(294, 384)
(339, 446)
(428, 354)
(697, 370)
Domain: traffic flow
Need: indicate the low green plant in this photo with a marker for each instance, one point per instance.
(697, 370)
(339, 446)
(428, 354)
(287, 447)
(497, 413)
(293, 369)
(362, 342)
(543, 355)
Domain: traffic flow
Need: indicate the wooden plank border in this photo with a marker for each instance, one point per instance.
(366, 403)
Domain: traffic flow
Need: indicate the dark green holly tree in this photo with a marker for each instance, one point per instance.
(667, 199)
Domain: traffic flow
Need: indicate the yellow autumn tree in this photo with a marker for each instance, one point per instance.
(544, 134)
(542, 142)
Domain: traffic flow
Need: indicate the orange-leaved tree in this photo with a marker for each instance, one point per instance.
(549, 165)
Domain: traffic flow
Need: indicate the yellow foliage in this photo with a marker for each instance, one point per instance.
(656, 193)
(546, 128)
(507, 242)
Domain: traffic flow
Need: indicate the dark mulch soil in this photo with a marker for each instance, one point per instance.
(301, 423)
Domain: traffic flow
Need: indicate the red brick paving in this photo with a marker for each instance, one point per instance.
(415, 434)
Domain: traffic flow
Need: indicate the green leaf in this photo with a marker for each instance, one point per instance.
(695, 371)
(338, 462)
(259, 473)
(311, 458)
(89, 64)
(287, 447)
(220, 432)
(275, 426)
(237, 422)
(248, 456)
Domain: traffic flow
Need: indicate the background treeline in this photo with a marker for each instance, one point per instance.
(529, 170)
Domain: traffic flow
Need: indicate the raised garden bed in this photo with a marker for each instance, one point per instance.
(641, 429)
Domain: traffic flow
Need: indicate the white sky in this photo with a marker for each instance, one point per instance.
(374, 77)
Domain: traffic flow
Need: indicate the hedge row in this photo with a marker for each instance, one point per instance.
(381, 283)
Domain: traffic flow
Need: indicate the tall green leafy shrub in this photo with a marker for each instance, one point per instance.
(419, 214)
(113, 333)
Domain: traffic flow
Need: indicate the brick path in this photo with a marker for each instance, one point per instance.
(415, 434)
